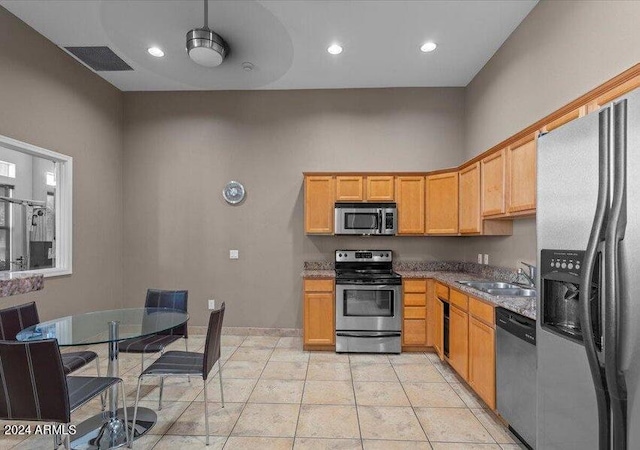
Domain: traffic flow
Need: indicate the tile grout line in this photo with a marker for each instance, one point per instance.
(244, 406)
(304, 386)
(355, 402)
(412, 407)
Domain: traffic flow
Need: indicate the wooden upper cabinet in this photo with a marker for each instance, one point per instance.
(380, 188)
(349, 188)
(410, 200)
(482, 361)
(470, 220)
(442, 203)
(521, 172)
(459, 341)
(493, 183)
(319, 202)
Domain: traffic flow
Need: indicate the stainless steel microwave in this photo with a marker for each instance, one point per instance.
(366, 218)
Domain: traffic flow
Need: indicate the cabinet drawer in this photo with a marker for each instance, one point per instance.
(415, 312)
(442, 291)
(318, 285)
(414, 285)
(414, 299)
(414, 332)
(459, 299)
(482, 311)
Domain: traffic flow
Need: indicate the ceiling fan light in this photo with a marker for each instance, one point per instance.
(206, 48)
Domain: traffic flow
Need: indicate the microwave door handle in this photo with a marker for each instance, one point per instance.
(379, 221)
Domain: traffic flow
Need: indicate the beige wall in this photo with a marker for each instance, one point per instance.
(560, 51)
(181, 149)
(48, 99)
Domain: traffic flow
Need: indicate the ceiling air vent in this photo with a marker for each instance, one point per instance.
(99, 58)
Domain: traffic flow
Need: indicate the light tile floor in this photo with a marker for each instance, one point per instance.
(280, 397)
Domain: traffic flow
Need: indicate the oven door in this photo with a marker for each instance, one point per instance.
(361, 307)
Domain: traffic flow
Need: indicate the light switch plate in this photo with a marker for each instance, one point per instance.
(212, 304)
(233, 254)
(479, 258)
(486, 258)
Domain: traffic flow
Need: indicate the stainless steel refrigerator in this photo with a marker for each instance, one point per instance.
(588, 239)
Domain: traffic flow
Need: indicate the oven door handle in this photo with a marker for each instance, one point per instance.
(369, 335)
(368, 287)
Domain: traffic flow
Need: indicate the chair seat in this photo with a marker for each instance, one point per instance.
(74, 360)
(176, 363)
(83, 389)
(148, 344)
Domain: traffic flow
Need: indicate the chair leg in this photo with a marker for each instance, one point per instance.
(220, 377)
(67, 441)
(206, 411)
(186, 349)
(142, 362)
(103, 400)
(124, 409)
(135, 412)
(161, 389)
(56, 441)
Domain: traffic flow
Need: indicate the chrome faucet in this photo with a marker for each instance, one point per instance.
(531, 276)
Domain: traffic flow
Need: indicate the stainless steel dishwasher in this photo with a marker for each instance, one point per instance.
(516, 373)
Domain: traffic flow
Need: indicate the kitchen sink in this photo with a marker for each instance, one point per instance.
(500, 288)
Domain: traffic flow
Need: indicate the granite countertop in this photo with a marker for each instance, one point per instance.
(449, 273)
(17, 283)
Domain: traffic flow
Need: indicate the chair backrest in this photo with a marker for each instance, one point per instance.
(32, 382)
(17, 318)
(212, 346)
(157, 298)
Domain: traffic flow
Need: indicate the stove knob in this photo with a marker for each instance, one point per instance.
(381, 255)
(387, 255)
(564, 265)
(339, 255)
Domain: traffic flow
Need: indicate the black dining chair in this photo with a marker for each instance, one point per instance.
(177, 363)
(17, 318)
(34, 386)
(158, 342)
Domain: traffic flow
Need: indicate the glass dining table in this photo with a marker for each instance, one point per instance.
(108, 430)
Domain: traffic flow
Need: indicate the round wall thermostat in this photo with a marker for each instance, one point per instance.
(233, 192)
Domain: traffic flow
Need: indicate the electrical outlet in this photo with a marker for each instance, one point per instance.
(212, 304)
(486, 258)
(233, 254)
(479, 258)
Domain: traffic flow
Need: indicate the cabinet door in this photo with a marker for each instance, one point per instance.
(438, 332)
(470, 221)
(493, 184)
(410, 200)
(521, 169)
(414, 331)
(482, 361)
(349, 188)
(459, 341)
(442, 203)
(319, 201)
(380, 188)
(319, 317)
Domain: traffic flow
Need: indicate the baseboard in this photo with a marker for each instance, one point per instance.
(250, 331)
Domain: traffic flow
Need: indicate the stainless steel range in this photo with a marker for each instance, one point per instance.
(368, 302)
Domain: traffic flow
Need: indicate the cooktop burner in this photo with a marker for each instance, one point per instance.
(373, 267)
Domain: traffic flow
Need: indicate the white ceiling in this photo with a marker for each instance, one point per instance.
(286, 40)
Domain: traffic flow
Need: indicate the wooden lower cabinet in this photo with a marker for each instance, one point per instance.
(459, 341)
(319, 313)
(482, 361)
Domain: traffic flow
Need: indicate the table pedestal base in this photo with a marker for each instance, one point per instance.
(100, 433)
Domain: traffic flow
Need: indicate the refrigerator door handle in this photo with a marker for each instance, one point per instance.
(594, 246)
(614, 234)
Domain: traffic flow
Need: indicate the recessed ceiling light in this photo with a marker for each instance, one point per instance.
(155, 51)
(428, 47)
(334, 49)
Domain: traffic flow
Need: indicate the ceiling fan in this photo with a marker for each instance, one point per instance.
(204, 46)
